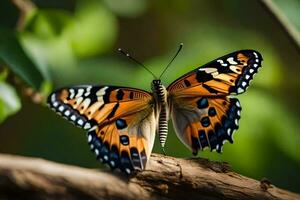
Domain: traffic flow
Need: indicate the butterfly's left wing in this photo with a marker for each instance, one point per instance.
(120, 122)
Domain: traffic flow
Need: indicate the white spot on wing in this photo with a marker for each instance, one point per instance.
(87, 126)
(61, 108)
(80, 122)
(222, 63)
(231, 61)
(208, 70)
(105, 157)
(67, 113)
(72, 93)
(229, 131)
(55, 104)
(73, 118)
(135, 154)
(101, 92)
(90, 138)
(240, 90)
(79, 93)
(251, 70)
(112, 163)
(53, 97)
(88, 91)
(255, 54)
(93, 128)
(79, 100)
(244, 83)
(127, 171)
(213, 71)
(97, 152)
(236, 122)
(247, 76)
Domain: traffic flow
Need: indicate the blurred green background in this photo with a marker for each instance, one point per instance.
(45, 44)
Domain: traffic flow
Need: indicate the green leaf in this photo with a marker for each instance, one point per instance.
(9, 101)
(13, 55)
(290, 10)
(47, 24)
(3, 74)
(127, 8)
(94, 30)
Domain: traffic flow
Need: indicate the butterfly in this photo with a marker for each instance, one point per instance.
(121, 122)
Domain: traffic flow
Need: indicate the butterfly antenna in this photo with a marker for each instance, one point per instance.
(179, 49)
(134, 60)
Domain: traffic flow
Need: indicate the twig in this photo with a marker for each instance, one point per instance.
(165, 178)
(25, 6)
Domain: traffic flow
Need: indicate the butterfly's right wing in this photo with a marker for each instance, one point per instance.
(203, 115)
(120, 122)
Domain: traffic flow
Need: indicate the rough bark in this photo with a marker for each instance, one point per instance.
(165, 178)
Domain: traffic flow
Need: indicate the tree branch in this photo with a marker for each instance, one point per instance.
(165, 178)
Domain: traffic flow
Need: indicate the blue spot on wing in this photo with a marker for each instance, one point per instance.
(124, 139)
(121, 123)
(202, 103)
(212, 112)
(205, 121)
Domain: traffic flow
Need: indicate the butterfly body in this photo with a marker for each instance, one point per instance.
(161, 99)
(122, 122)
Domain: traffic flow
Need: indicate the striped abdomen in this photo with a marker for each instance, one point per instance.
(163, 125)
(161, 100)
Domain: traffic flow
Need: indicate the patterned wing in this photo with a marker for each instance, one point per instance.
(205, 122)
(120, 122)
(230, 74)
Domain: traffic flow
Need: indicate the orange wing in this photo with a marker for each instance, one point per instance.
(202, 114)
(120, 122)
(125, 143)
(205, 122)
(230, 74)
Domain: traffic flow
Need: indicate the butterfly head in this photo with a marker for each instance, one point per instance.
(156, 83)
